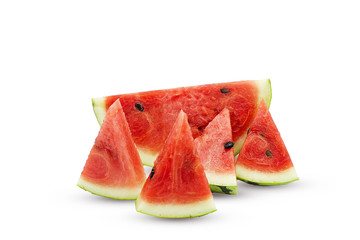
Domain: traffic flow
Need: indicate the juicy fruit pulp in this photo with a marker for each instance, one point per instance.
(113, 168)
(264, 159)
(152, 114)
(215, 150)
(177, 186)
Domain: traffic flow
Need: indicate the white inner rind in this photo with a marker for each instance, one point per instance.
(238, 144)
(285, 176)
(264, 87)
(147, 158)
(176, 210)
(99, 108)
(110, 192)
(221, 179)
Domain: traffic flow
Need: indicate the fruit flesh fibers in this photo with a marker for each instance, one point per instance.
(177, 185)
(264, 158)
(215, 150)
(113, 168)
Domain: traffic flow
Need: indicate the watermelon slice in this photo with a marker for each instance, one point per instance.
(263, 159)
(113, 168)
(151, 115)
(216, 153)
(177, 186)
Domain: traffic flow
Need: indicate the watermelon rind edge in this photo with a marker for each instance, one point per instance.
(231, 190)
(265, 91)
(269, 95)
(110, 192)
(147, 158)
(264, 178)
(191, 210)
(222, 182)
(99, 108)
(267, 184)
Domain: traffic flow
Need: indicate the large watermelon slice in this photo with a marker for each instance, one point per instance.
(216, 153)
(152, 114)
(177, 186)
(113, 168)
(263, 159)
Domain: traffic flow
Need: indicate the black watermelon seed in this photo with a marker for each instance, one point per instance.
(228, 145)
(139, 106)
(225, 90)
(248, 131)
(152, 173)
(268, 153)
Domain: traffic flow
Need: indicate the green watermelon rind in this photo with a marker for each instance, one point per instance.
(147, 158)
(99, 109)
(222, 182)
(267, 184)
(265, 91)
(264, 178)
(108, 192)
(176, 210)
(231, 190)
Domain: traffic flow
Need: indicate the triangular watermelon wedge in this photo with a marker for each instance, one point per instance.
(264, 159)
(113, 168)
(177, 186)
(216, 153)
(152, 114)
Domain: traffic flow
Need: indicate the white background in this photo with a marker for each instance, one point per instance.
(56, 55)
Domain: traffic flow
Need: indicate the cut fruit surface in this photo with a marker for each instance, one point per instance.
(177, 186)
(264, 159)
(216, 153)
(152, 114)
(113, 168)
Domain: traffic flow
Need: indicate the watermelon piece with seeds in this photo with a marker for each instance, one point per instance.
(152, 114)
(113, 168)
(215, 150)
(177, 186)
(264, 159)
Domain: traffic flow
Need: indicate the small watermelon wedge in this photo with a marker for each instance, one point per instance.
(216, 153)
(152, 114)
(113, 168)
(264, 159)
(177, 186)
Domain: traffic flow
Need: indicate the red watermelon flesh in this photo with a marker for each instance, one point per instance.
(113, 168)
(264, 158)
(216, 153)
(152, 114)
(177, 186)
